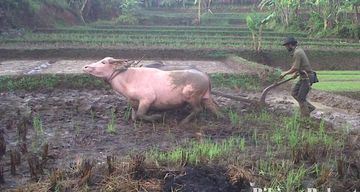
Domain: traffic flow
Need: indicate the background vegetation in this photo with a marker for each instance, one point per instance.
(315, 17)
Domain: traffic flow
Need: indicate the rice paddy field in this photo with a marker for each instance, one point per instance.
(68, 131)
(164, 36)
(338, 81)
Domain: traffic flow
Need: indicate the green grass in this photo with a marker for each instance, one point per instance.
(338, 72)
(340, 77)
(284, 150)
(164, 36)
(338, 86)
(39, 137)
(111, 126)
(247, 82)
(49, 82)
(338, 81)
(197, 152)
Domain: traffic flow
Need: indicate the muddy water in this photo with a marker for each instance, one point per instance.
(342, 112)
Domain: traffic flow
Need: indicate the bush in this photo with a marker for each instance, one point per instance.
(349, 31)
(315, 24)
(127, 19)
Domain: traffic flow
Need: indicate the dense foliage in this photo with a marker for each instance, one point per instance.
(317, 17)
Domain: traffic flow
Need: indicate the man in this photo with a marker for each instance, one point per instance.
(300, 67)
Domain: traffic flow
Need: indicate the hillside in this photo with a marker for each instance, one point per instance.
(30, 14)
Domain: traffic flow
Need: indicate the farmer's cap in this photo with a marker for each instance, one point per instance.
(289, 40)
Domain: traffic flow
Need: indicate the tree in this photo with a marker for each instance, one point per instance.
(79, 6)
(283, 10)
(355, 6)
(327, 10)
(198, 2)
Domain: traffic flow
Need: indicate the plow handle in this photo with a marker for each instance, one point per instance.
(267, 89)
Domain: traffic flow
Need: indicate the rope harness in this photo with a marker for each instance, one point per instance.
(116, 72)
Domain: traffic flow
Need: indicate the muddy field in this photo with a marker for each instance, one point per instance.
(74, 123)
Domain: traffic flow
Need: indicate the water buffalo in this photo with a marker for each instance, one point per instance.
(151, 88)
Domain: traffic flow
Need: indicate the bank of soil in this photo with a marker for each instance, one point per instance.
(321, 59)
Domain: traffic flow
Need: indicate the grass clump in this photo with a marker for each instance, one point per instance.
(198, 152)
(39, 135)
(49, 82)
(111, 126)
(234, 117)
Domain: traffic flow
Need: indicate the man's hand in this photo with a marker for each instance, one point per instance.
(282, 76)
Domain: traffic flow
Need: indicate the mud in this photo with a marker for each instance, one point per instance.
(341, 111)
(74, 123)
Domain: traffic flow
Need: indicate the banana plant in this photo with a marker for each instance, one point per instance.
(256, 25)
(198, 2)
(79, 6)
(326, 9)
(355, 6)
(284, 10)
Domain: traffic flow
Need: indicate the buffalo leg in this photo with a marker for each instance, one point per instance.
(196, 108)
(142, 110)
(212, 106)
(133, 114)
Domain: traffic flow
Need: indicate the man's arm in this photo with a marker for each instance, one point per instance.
(295, 67)
(290, 71)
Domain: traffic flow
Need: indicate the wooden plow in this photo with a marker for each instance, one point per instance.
(245, 99)
(267, 89)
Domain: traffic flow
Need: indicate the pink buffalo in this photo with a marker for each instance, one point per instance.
(151, 88)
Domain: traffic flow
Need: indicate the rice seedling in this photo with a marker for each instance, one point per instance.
(294, 179)
(196, 152)
(175, 37)
(255, 137)
(234, 117)
(111, 126)
(278, 137)
(127, 112)
(338, 81)
(242, 144)
(39, 136)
